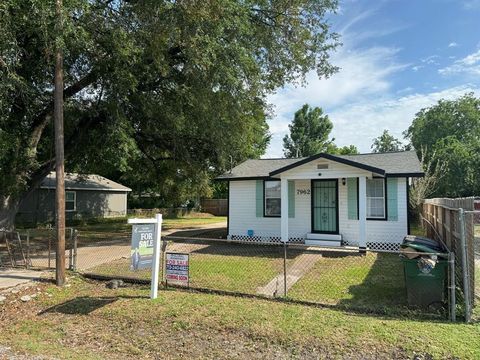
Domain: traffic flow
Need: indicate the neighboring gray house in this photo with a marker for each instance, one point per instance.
(326, 200)
(86, 196)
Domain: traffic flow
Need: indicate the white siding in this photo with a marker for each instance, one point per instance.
(378, 231)
(242, 215)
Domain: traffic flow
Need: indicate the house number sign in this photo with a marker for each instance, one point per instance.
(303, 191)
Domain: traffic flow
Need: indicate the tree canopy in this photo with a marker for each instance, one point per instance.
(386, 142)
(158, 94)
(309, 135)
(449, 135)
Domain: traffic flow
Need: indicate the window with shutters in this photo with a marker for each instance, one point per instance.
(272, 195)
(375, 199)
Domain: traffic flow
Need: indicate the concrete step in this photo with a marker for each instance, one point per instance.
(315, 239)
(328, 243)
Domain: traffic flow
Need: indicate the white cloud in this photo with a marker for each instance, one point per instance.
(431, 60)
(362, 73)
(452, 44)
(468, 65)
(471, 4)
(359, 123)
(417, 67)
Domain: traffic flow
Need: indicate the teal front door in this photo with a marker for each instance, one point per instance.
(325, 206)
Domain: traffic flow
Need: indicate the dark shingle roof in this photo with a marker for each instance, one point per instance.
(83, 182)
(402, 163)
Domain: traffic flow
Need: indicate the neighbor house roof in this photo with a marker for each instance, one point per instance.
(401, 163)
(83, 182)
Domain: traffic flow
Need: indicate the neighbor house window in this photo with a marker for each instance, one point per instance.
(70, 201)
(272, 198)
(375, 198)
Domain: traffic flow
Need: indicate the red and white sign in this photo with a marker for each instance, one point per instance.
(177, 269)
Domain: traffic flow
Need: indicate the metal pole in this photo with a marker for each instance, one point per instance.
(285, 269)
(451, 287)
(28, 249)
(49, 249)
(466, 283)
(70, 251)
(75, 240)
(59, 149)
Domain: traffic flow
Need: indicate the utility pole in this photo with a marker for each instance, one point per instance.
(59, 151)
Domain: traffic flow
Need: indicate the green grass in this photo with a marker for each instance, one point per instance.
(231, 267)
(121, 225)
(87, 321)
(373, 281)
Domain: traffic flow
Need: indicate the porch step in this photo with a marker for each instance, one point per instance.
(323, 239)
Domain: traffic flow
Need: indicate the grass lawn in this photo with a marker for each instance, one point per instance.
(374, 281)
(117, 228)
(88, 321)
(120, 224)
(226, 267)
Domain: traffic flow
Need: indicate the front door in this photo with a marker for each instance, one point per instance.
(325, 206)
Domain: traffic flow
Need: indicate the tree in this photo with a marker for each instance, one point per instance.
(158, 94)
(386, 143)
(344, 150)
(309, 133)
(423, 187)
(450, 130)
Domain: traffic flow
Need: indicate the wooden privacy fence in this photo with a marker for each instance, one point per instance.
(217, 207)
(452, 221)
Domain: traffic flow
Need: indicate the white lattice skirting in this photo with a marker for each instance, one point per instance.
(378, 246)
(264, 239)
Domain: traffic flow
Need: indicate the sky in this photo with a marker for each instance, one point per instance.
(397, 57)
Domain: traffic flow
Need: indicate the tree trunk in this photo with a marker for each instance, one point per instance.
(8, 210)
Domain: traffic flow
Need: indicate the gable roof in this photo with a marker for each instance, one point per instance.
(75, 181)
(401, 164)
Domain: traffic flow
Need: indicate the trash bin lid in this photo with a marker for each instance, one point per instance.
(433, 245)
(421, 248)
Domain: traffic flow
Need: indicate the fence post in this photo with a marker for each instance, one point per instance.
(285, 269)
(49, 249)
(75, 239)
(28, 249)
(70, 251)
(451, 287)
(466, 280)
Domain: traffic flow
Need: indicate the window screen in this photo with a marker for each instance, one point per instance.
(375, 198)
(272, 198)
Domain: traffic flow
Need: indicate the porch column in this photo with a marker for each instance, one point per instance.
(284, 214)
(362, 213)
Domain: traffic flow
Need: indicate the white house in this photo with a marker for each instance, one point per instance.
(326, 200)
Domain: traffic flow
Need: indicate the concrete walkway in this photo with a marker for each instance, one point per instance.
(301, 266)
(14, 277)
(89, 257)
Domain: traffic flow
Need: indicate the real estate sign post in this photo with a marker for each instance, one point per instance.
(145, 253)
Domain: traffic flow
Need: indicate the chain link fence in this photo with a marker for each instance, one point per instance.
(343, 278)
(35, 248)
(458, 230)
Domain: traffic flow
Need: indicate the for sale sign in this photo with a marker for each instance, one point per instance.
(143, 236)
(177, 269)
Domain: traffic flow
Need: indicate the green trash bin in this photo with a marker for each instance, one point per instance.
(425, 285)
(425, 288)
